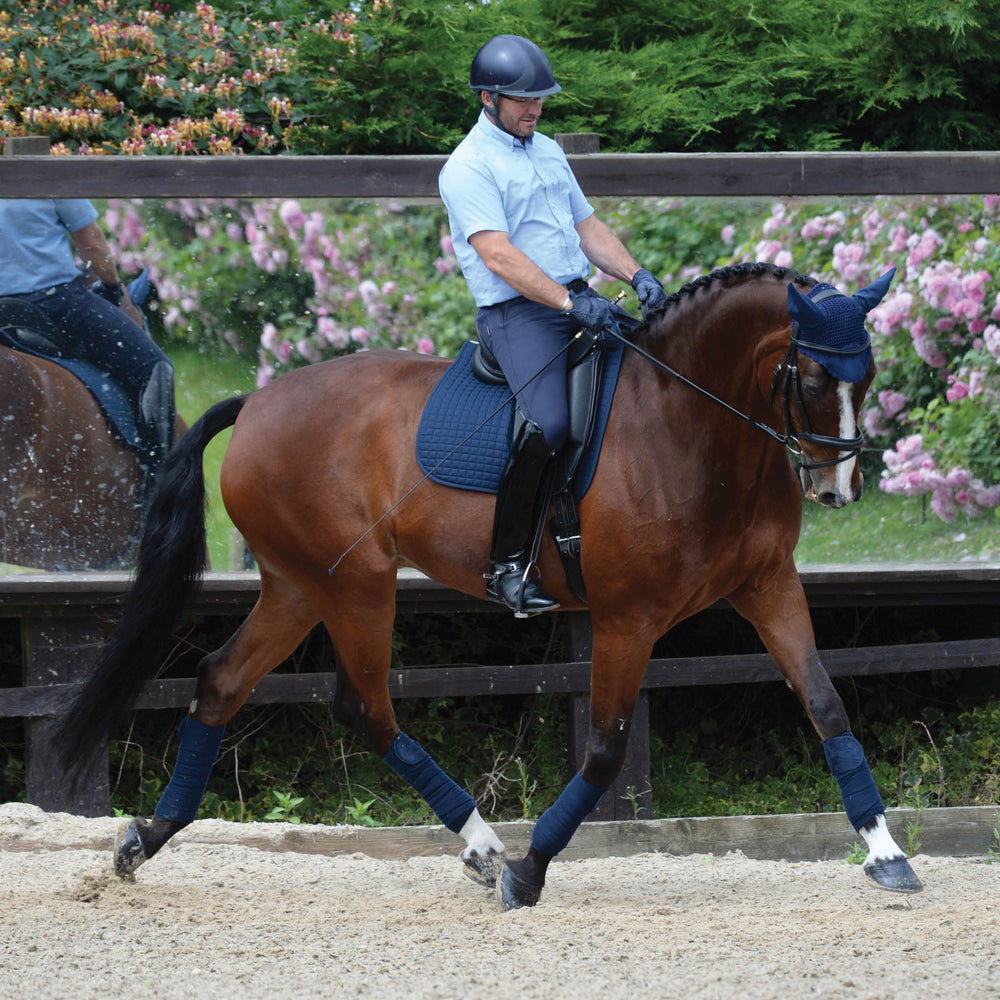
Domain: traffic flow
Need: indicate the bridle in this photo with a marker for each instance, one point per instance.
(787, 376)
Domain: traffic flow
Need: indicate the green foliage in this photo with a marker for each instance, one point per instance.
(390, 76)
(378, 83)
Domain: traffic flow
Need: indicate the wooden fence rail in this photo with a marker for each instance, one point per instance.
(616, 175)
(64, 617)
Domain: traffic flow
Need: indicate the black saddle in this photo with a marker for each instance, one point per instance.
(28, 326)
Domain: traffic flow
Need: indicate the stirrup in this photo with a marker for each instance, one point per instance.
(512, 585)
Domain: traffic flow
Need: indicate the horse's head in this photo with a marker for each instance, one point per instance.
(823, 380)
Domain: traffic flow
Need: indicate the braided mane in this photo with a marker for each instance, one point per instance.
(732, 272)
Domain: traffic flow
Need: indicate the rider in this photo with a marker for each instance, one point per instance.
(526, 237)
(37, 265)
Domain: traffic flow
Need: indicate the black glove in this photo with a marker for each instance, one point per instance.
(652, 297)
(594, 312)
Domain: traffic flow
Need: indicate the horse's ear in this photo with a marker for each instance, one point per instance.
(803, 309)
(868, 298)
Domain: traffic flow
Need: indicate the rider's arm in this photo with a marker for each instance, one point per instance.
(517, 269)
(603, 249)
(94, 251)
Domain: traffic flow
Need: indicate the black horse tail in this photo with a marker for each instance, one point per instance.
(171, 559)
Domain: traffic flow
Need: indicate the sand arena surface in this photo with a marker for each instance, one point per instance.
(231, 920)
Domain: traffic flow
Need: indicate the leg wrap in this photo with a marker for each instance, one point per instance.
(452, 805)
(196, 755)
(560, 821)
(857, 787)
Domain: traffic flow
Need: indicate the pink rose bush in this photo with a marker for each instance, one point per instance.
(933, 411)
(296, 282)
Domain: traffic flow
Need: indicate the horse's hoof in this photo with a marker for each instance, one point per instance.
(130, 852)
(894, 874)
(514, 892)
(484, 868)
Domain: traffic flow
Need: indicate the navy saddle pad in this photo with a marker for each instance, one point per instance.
(465, 432)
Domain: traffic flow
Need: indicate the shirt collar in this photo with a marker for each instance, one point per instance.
(494, 133)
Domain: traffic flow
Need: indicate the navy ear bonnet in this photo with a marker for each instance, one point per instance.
(831, 326)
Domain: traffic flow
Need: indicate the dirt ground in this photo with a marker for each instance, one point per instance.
(231, 920)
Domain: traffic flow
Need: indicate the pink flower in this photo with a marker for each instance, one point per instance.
(728, 233)
(291, 214)
(425, 345)
(956, 391)
(891, 402)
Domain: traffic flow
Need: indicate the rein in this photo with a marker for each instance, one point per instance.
(788, 374)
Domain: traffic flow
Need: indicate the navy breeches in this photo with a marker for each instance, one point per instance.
(94, 330)
(525, 337)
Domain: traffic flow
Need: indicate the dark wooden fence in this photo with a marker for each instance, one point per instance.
(63, 618)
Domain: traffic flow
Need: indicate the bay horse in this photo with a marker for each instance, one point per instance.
(71, 491)
(691, 502)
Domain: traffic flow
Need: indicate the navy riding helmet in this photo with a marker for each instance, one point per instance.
(514, 66)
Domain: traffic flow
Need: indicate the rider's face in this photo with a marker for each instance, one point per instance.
(518, 115)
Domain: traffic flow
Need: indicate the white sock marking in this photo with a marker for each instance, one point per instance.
(479, 837)
(881, 846)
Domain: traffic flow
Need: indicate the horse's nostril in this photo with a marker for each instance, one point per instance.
(832, 499)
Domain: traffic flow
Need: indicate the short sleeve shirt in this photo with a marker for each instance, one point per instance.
(35, 251)
(494, 182)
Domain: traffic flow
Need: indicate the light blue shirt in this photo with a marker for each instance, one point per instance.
(35, 251)
(493, 182)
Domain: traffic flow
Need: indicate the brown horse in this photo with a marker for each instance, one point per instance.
(694, 499)
(71, 492)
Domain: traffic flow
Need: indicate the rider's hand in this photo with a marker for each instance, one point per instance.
(652, 297)
(594, 312)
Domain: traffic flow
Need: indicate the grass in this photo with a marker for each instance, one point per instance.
(202, 380)
(883, 528)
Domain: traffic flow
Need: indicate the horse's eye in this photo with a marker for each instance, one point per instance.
(812, 388)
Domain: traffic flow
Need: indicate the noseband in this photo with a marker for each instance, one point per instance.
(788, 377)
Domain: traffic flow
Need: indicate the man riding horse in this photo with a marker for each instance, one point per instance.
(38, 268)
(526, 238)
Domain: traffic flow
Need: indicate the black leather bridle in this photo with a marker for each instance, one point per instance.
(787, 376)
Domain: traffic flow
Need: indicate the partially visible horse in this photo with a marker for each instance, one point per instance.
(71, 492)
(691, 502)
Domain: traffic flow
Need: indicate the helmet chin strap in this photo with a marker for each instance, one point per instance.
(491, 113)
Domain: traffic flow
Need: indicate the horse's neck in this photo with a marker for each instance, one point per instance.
(719, 332)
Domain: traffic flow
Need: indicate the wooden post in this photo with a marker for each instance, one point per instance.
(26, 145)
(578, 142)
(60, 651)
(630, 796)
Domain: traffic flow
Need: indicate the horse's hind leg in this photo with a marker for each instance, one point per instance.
(362, 639)
(280, 620)
(781, 617)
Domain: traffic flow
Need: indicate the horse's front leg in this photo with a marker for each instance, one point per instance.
(616, 677)
(781, 617)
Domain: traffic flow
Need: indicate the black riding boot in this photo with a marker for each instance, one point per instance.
(522, 503)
